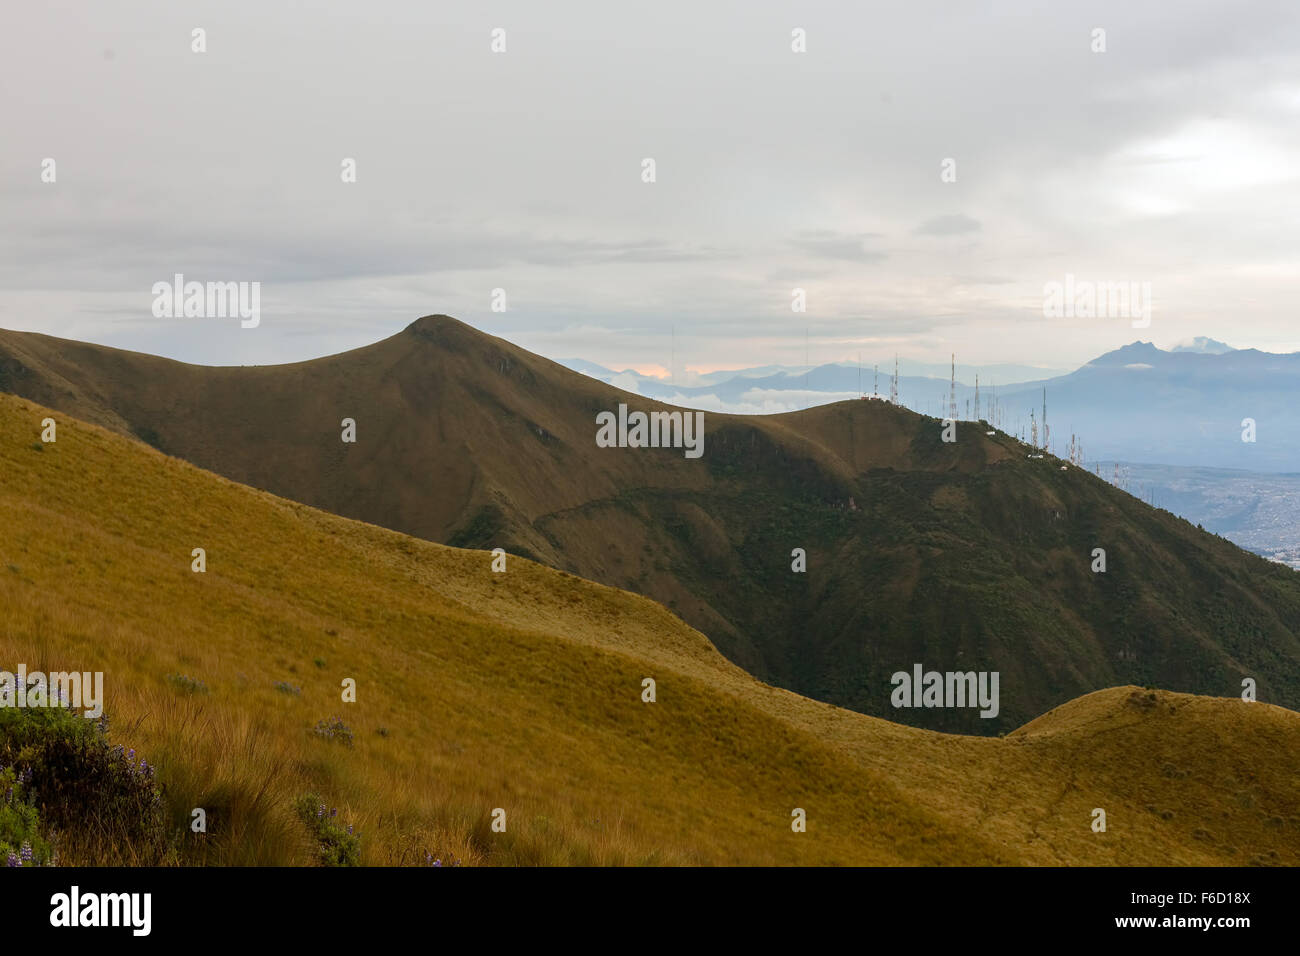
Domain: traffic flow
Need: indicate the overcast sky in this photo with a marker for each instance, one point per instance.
(1172, 158)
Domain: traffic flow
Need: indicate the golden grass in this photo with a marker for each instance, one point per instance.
(521, 690)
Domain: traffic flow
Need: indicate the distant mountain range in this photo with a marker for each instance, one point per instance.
(1140, 403)
(822, 550)
(771, 389)
(1181, 406)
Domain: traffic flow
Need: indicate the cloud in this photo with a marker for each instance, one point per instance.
(477, 171)
(830, 245)
(953, 225)
(757, 401)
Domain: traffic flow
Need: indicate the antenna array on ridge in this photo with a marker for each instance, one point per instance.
(952, 391)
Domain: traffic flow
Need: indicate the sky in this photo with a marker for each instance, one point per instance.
(1170, 159)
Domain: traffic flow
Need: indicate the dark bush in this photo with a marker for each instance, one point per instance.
(87, 792)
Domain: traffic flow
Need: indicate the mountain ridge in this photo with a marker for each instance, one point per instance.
(963, 555)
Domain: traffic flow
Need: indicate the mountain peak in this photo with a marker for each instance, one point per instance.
(1202, 344)
(434, 322)
(443, 332)
(1128, 354)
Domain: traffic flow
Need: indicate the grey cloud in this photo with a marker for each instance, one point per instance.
(953, 225)
(830, 245)
(523, 171)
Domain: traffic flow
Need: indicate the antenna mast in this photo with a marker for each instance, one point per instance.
(1045, 430)
(952, 391)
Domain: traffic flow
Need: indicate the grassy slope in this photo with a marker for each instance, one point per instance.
(521, 690)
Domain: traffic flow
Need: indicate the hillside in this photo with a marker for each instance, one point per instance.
(957, 556)
(521, 690)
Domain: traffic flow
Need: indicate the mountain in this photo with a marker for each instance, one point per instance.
(779, 388)
(651, 381)
(1204, 345)
(521, 691)
(964, 556)
(1183, 406)
(1141, 403)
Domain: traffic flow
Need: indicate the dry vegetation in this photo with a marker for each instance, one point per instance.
(522, 691)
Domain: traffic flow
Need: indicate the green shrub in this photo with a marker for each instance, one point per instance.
(334, 729)
(21, 843)
(187, 685)
(83, 788)
(338, 846)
